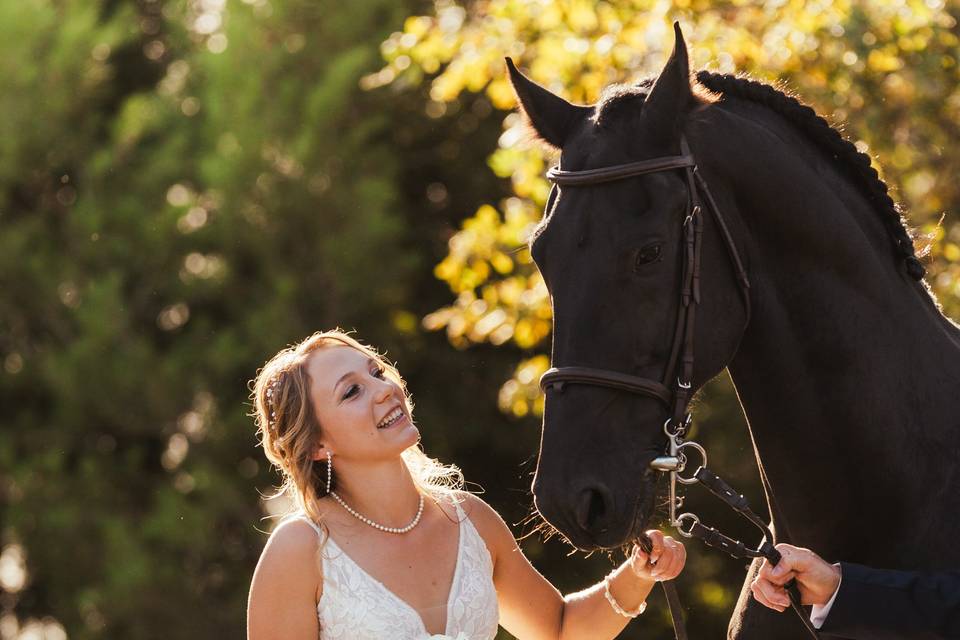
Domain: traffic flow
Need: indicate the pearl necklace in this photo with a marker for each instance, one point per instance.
(361, 518)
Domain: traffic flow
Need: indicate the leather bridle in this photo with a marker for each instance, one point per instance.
(674, 388)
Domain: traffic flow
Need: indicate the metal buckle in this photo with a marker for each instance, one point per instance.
(694, 521)
(673, 434)
(683, 461)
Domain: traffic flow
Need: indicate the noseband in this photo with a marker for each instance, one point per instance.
(674, 388)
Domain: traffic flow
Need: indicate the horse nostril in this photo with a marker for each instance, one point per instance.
(592, 507)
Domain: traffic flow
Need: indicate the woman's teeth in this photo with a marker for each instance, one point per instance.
(391, 418)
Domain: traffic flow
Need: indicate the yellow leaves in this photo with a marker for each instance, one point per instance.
(514, 308)
(582, 16)
(501, 262)
(551, 16)
(417, 26)
(944, 267)
(947, 39)
(951, 252)
(404, 321)
(501, 94)
(898, 89)
(884, 60)
(520, 395)
(915, 41)
(714, 595)
(501, 296)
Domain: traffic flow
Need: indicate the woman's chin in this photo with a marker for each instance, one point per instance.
(413, 438)
(403, 429)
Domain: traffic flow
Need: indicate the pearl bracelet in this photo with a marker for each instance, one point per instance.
(616, 605)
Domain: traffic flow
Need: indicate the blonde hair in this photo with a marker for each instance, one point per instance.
(289, 431)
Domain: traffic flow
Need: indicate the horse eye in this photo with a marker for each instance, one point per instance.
(649, 253)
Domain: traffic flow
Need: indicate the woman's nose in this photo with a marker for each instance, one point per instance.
(384, 390)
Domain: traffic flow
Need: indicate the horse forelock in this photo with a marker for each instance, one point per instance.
(620, 100)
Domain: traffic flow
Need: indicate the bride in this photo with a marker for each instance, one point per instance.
(384, 543)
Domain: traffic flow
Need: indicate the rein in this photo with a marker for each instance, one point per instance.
(673, 390)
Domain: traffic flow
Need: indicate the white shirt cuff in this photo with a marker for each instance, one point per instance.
(820, 612)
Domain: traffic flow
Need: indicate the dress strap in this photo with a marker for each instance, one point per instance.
(460, 513)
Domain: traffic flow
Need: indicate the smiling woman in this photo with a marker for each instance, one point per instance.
(287, 421)
(383, 542)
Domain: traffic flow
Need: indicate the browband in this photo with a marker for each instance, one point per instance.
(619, 171)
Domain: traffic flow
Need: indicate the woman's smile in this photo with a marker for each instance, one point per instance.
(395, 417)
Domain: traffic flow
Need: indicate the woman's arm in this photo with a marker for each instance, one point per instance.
(532, 609)
(285, 586)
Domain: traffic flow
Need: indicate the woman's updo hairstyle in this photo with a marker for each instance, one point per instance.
(289, 431)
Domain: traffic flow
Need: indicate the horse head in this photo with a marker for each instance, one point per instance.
(612, 254)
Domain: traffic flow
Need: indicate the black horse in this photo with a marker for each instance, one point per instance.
(847, 370)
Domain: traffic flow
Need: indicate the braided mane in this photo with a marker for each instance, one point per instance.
(819, 131)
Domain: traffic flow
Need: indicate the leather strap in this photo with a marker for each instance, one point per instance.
(676, 609)
(619, 171)
(558, 377)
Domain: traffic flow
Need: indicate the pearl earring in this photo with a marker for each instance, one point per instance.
(329, 469)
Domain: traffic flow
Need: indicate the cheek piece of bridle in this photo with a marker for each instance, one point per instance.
(674, 389)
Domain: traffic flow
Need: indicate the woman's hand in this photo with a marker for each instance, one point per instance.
(665, 560)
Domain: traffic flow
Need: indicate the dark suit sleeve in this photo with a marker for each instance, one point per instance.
(887, 605)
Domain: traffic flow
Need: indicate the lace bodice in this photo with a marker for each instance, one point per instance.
(356, 606)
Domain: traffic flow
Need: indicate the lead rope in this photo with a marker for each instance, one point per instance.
(675, 609)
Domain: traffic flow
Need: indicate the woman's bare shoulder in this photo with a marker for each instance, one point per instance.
(475, 507)
(491, 527)
(292, 547)
(286, 584)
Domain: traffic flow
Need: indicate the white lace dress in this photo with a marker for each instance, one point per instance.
(357, 606)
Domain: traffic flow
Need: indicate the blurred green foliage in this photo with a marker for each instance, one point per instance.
(186, 186)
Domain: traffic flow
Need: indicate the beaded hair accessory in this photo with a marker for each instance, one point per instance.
(273, 390)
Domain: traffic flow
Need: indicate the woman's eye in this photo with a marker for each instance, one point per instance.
(352, 391)
(647, 254)
(379, 373)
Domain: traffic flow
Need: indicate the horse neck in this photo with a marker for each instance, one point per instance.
(847, 371)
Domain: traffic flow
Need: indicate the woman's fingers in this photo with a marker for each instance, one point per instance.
(656, 545)
(664, 561)
(640, 557)
(672, 560)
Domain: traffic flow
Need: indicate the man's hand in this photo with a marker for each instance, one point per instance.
(816, 578)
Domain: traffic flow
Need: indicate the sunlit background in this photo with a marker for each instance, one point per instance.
(187, 187)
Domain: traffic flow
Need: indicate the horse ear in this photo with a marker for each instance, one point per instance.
(672, 93)
(552, 117)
